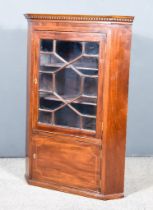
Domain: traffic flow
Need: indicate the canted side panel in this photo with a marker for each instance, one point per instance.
(75, 164)
(115, 110)
(29, 93)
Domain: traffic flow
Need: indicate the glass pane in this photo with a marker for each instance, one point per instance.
(68, 80)
(88, 62)
(45, 81)
(68, 83)
(50, 60)
(89, 123)
(85, 108)
(88, 71)
(69, 50)
(45, 59)
(90, 86)
(48, 68)
(46, 45)
(86, 100)
(45, 117)
(49, 102)
(91, 48)
(67, 117)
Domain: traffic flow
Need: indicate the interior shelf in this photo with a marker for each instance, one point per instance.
(60, 65)
(87, 55)
(84, 99)
(81, 100)
(45, 91)
(53, 65)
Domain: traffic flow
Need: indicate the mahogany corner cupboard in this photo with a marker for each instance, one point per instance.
(78, 69)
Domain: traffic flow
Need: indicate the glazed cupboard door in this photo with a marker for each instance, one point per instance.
(68, 75)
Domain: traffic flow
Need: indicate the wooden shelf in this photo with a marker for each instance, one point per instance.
(53, 65)
(86, 68)
(84, 54)
(62, 65)
(52, 111)
(82, 100)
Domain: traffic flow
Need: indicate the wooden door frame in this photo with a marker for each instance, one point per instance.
(69, 36)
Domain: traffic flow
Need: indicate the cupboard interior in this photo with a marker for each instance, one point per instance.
(68, 80)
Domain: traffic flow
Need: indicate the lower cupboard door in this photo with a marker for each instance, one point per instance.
(71, 164)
